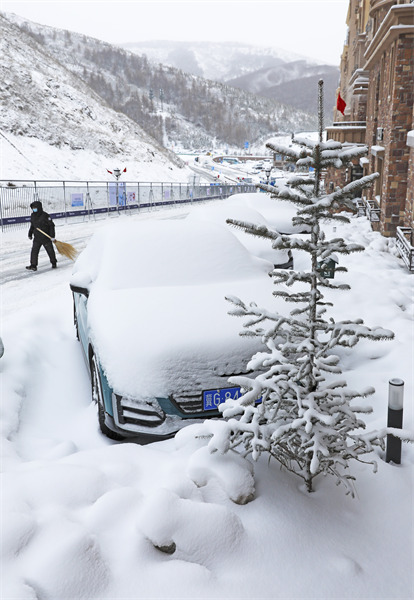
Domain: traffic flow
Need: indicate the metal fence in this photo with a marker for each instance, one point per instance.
(91, 199)
(405, 246)
(370, 208)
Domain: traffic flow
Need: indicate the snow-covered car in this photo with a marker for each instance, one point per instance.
(152, 319)
(259, 209)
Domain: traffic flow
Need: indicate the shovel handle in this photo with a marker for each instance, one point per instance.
(44, 233)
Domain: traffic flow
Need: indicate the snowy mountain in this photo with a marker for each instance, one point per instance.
(219, 61)
(176, 108)
(285, 77)
(45, 106)
(293, 84)
(301, 92)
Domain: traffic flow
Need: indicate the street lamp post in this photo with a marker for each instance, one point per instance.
(117, 174)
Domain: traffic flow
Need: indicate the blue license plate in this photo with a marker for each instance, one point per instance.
(212, 398)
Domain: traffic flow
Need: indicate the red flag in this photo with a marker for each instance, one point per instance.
(124, 171)
(109, 171)
(340, 104)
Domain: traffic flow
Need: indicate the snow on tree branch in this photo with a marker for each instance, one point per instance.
(285, 193)
(291, 152)
(304, 141)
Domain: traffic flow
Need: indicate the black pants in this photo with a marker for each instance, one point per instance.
(48, 246)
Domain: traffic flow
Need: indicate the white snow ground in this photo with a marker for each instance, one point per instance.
(80, 514)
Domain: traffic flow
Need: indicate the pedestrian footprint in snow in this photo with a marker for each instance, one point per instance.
(39, 219)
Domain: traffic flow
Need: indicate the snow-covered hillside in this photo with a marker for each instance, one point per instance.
(192, 112)
(52, 125)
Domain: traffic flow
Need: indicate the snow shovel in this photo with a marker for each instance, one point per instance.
(62, 247)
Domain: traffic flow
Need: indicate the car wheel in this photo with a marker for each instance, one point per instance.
(97, 396)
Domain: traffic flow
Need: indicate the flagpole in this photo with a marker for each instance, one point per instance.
(320, 109)
(318, 147)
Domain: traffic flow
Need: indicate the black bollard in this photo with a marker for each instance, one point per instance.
(395, 419)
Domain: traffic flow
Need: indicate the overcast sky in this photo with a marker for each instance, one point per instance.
(313, 28)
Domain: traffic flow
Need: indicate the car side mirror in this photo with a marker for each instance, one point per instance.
(80, 290)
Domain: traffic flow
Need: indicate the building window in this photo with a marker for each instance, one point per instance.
(378, 182)
(392, 67)
(357, 172)
(377, 96)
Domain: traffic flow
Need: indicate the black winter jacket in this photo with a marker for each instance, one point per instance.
(41, 220)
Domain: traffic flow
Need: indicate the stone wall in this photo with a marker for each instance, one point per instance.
(390, 108)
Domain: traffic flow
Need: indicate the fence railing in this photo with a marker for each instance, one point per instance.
(361, 207)
(91, 199)
(373, 210)
(369, 208)
(405, 245)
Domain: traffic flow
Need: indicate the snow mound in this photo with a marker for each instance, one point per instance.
(65, 559)
(166, 520)
(233, 473)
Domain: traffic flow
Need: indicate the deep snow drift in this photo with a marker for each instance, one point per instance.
(82, 516)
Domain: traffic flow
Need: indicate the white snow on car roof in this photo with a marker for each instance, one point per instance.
(165, 253)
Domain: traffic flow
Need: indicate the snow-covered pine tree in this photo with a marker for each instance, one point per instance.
(307, 418)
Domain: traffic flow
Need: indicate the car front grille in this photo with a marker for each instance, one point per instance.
(188, 404)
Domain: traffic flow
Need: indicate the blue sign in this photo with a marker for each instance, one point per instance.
(77, 199)
(121, 188)
(246, 145)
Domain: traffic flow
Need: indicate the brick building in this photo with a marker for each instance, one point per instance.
(377, 84)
